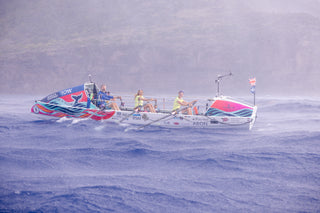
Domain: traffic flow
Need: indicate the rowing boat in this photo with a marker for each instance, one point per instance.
(80, 102)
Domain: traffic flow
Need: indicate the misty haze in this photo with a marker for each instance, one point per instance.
(65, 146)
(161, 46)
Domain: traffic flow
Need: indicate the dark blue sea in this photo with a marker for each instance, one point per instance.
(90, 166)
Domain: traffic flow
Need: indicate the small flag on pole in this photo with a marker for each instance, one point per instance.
(253, 89)
(252, 81)
(253, 85)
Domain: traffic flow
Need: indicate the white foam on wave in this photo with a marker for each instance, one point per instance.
(124, 124)
(76, 120)
(63, 119)
(130, 128)
(73, 120)
(99, 128)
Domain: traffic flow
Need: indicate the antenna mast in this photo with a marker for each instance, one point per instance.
(217, 81)
(90, 79)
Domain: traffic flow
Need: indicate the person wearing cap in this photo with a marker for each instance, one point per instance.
(178, 102)
(105, 98)
(139, 102)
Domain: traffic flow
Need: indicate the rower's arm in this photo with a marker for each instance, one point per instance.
(103, 96)
(118, 97)
(183, 103)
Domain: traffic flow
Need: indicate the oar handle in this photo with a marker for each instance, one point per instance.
(193, 103)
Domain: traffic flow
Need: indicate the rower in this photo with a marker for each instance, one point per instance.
(178, 102)
(105, 98)
(139, 102)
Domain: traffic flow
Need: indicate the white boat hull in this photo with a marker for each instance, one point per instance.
(179, 120)
(75, 103)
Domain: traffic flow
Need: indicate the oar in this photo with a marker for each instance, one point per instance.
(134, 111)
(167, 116)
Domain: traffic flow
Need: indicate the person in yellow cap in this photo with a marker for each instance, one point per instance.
(139, 102)
(178, 102)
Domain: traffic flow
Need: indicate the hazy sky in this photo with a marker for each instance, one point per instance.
(161, 46)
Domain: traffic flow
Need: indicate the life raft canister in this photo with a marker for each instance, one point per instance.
(195, 110)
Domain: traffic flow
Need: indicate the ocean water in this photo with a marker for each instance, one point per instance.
(89, 166)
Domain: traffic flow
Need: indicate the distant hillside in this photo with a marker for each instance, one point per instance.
(161, 46)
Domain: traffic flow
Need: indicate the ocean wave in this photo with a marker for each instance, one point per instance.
(71, 165)
(301, 106)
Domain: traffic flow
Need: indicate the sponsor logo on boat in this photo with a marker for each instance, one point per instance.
(214, 122)
(145, 117)
(199, 123)
(66, 92)
(199, 119)
(36, 109)
(178, 118)
(225, 119)
(136, 117)
(52, 96)
(228, 107)
(76, 98)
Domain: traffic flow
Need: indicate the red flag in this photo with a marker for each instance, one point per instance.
(252, 81)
